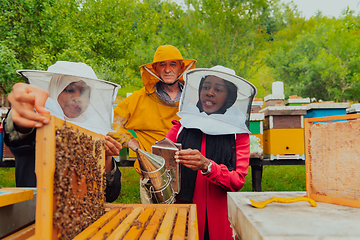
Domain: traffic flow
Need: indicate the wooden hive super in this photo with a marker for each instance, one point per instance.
(333, 159)
(70, 201)
(145, 222)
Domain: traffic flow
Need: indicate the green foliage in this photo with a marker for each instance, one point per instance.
(8, 65)
(319, 62)
(230, 37)
(262, 40)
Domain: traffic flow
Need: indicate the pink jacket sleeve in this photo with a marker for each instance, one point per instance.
(233, 180)
(172, 134)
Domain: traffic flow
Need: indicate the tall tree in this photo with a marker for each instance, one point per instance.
(319, 62)
(227, 32)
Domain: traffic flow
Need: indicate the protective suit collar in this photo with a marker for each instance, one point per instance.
(234, 120)
(163, 53)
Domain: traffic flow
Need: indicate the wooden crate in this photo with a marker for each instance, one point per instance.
(333, 159)
(70, 179)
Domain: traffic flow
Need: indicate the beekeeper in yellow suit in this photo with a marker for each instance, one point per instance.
(150, 110)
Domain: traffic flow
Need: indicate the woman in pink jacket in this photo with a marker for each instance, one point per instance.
(214, 111)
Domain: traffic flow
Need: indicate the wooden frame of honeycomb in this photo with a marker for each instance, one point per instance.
(333, 159)
(70, 179)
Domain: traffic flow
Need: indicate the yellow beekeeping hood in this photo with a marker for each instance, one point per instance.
(163, 53)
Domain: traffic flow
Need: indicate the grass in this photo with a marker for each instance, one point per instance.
(130, 186)
(274, 178)
(279, 178)
(7, 177)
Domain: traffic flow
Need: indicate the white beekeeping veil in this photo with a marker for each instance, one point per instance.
(98, 115)
(230, 118)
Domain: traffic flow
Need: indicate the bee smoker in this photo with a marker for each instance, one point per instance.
(156, 178)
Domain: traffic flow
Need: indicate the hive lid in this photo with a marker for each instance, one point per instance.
(284, 110)
(327, 105)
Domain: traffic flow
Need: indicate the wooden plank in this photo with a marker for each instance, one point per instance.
(22, 234)
(14, 195)
(335, 200)
(125, 225)
(139, 224)
(153, 225)
(167, 224)
(307, 126)
(134, 205)
(180, 224)
(334, 118)
(193, 233)
(44, 169)
(112, 224)
(286, 110)
(93, 228)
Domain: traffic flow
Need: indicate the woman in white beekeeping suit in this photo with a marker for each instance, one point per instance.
(214, 110)
(70, 91)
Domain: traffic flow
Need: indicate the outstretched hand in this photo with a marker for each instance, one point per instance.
(112, 147)
(193, 159)
(24, 98)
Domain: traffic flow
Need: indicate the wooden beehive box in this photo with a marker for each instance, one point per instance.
(70, 179)
(136, 222)
(145, 222)
(15, 202)
(256, 137)
(284, 132)
(333, 159)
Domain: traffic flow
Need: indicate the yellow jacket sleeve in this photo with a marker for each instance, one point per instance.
(121, 117)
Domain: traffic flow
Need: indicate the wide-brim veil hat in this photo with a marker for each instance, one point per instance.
(103, 93)
(163, 53)
(234, 120)
(77, 69)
